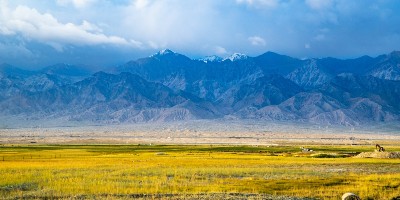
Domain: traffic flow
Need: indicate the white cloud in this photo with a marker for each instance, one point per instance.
(259, 3)
(76, 3)
(139, 4)
(220, 50)
(257, 41)
(33, 25)
(153, 45)
(319, 4)
(173, 22)
(90, 27)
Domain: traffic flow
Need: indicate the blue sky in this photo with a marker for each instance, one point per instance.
(105, 33)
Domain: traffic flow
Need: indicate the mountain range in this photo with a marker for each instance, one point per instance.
(169, 86)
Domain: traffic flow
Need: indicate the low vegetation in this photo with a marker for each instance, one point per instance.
(144, 171)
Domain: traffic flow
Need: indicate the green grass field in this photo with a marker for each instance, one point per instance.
(143, 171)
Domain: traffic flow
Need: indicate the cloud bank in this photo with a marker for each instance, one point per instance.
(33, 25)
(76, 3)
(128, 29)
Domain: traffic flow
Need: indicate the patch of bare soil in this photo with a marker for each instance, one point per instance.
(378, 155)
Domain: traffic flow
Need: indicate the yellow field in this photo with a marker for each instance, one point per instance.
(119, 172)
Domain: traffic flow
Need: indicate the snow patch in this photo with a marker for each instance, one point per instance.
(210, 59)
(236, 57)
(163, 53)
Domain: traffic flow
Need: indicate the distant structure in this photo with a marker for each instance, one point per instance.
(350, 196)
(379, 148)
(305, 150)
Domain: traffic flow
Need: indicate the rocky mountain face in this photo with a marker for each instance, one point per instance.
(169, 86)
(389, 67)
(309, 76)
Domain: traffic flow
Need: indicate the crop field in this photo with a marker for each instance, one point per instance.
(190, 172)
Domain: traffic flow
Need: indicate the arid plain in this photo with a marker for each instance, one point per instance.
(204, 132)
(198, 160)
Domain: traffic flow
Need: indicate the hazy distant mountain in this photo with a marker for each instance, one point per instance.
(7, 70)
(14, 80)
(67, 70)
(169, 86)
(107, 97)
(273, 63)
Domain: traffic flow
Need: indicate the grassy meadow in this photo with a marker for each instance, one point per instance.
(144, 171)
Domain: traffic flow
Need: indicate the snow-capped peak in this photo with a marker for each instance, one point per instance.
(236, 56)
(213, 58)
(163, 52)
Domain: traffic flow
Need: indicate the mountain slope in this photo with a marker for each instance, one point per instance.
(309, 76)
(267, 90)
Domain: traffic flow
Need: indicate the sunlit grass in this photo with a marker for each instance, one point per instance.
(115, 171)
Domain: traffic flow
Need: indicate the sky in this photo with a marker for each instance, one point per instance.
(107, 33)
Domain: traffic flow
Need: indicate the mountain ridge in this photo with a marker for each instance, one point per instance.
(168, 86)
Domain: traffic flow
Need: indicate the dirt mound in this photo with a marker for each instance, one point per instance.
(378, 155)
